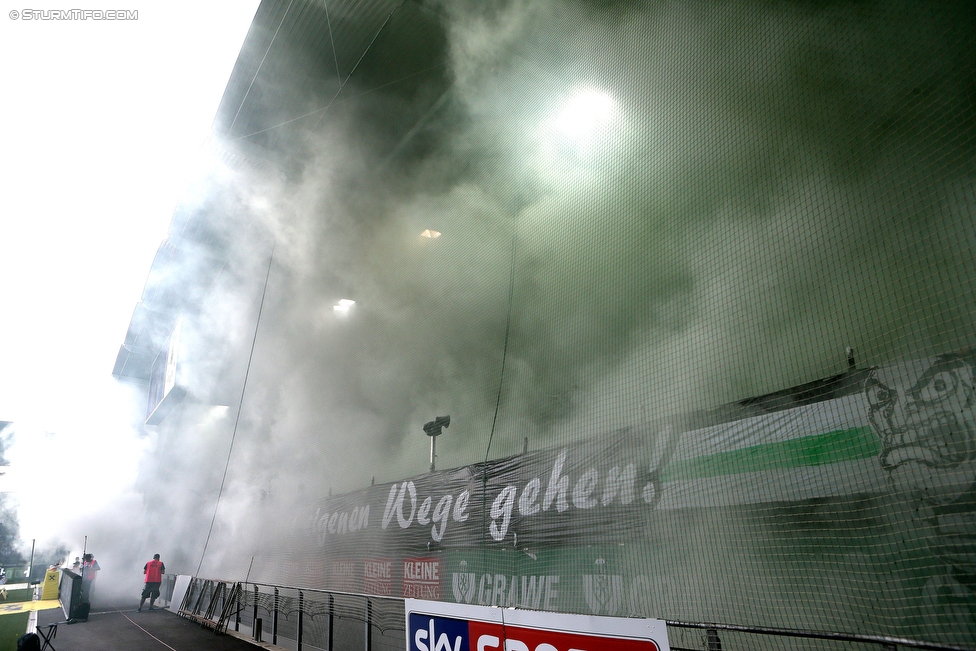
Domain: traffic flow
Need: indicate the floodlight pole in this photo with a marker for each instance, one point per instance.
(433, 430)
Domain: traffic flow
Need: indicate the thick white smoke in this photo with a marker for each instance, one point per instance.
(666, 208)
(751, 191)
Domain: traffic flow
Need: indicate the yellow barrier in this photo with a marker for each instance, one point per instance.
(24, 606)
(50, 590)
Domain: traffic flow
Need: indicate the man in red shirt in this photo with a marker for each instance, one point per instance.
(89, 572)
(154, 570)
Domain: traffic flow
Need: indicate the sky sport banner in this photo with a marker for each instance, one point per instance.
(433, 626)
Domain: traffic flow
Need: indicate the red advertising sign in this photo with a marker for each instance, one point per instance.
(378, 577)
(344, 576)
(434, 626)
(422, 578)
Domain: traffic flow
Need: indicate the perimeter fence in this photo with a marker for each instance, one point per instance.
(307, 619)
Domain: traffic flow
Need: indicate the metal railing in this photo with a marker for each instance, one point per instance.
(299, 618)
(307, 618)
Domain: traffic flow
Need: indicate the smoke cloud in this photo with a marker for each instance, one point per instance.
(752, 190)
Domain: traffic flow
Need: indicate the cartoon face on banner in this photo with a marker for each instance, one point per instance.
(925, 413)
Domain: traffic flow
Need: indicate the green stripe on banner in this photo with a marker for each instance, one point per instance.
(832, 447)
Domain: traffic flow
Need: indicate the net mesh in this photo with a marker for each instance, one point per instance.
(698, 305)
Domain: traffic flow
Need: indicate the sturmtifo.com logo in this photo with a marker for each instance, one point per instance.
(74, 14)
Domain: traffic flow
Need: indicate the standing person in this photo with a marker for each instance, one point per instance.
(89, 572)
(154, 570)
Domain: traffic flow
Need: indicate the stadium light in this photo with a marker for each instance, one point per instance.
(584, 114)
(433, 430)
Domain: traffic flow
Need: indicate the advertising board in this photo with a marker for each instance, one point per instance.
(845, 486)
(436, 626)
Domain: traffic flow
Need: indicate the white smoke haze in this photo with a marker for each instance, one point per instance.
(744, 219)
(759, 195)
(105, 119)
(744, 249)
(761, 188)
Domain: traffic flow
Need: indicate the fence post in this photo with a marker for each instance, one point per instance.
(220, 596)
(713, 643)
(274, 620)
(255, 617)
(369, 625)
(331, 620)
(185, 603)
(199, 601)
(237, 607)
(301, 617)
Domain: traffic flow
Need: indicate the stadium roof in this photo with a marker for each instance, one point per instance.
(303, 64)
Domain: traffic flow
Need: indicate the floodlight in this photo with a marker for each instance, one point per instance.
(584, 113)
(433, 430)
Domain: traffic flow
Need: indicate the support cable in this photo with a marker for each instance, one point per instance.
(498, 396)
(351, 72)
(335, 56)
(333, 100)
(260, 65)
(240, 407)
(508, 328)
